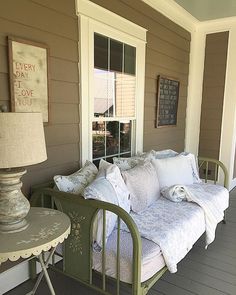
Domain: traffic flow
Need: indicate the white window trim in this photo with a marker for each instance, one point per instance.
(93, 18)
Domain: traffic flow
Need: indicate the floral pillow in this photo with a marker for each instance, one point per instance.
(75, 183)
(129, 163)
(141, 158)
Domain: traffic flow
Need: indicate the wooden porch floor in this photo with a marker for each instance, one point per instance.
(211, 272)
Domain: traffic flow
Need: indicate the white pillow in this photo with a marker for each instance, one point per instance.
(75, 183)
(174, 170)
(112, 173)
(194, 166)
(109, 187)
(143, 185)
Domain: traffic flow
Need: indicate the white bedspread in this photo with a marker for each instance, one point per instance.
(175, 227)
(213, 199)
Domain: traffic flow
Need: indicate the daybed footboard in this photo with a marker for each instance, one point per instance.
(208, 165)
(77, 252)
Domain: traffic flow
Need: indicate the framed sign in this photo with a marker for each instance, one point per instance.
(28, 64)
(167, 101)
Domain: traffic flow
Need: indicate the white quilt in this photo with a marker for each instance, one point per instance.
(213, 199)
(175, 227)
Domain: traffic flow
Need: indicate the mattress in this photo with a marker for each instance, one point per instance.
(151, 261)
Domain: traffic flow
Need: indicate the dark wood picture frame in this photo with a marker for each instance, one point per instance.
(29, 76)
(167, 101)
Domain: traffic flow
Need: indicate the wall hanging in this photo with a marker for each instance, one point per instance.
(28, 65)
(167, 101)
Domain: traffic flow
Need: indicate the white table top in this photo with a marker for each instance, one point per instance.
(47, 228)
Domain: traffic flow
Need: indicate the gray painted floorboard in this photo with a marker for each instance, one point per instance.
(201, 272)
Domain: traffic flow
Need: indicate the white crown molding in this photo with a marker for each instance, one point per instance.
(105, 16)
(174, 12)
(217, 25)
(183, 18)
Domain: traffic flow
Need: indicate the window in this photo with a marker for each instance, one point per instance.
(114, 98)
(112, 86)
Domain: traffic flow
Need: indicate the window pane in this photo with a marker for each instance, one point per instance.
(109, 159)
(104, 100)
(96, 163)
(98, 139)
(125, 95)
(112, 138)
(126, 155)
(116, 55)
(125, 136)
(129, 59)
(114, 96)
(100, 52)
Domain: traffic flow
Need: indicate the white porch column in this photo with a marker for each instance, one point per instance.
(194, 102)
(228, 128)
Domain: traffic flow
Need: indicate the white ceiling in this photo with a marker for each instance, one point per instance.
(204, 10)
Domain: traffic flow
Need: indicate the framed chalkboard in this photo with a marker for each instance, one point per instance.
(167, 101)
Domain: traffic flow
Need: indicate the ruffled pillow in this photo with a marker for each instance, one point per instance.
(75, 183)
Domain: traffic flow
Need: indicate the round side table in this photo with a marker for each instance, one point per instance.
(47, 228)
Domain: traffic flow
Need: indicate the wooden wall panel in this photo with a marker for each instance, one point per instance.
(167, 53)
(213, 94)
(54, 23)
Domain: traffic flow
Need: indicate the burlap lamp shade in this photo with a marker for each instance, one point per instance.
(22, 143)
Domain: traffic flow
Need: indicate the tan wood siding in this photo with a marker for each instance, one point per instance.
(54, 23)
(167, 53)
(168, 48)
(213, 94)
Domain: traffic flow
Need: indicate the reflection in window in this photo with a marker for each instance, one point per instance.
(125, 137)
(125, 95)
(104, 84)
(98, 139)
(111, 138)
(114, 97)
(113, 90)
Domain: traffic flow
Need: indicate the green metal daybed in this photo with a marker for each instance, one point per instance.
(78, 250)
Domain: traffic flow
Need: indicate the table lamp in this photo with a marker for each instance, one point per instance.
(22, 143)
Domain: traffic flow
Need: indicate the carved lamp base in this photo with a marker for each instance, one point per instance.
(14, 206)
